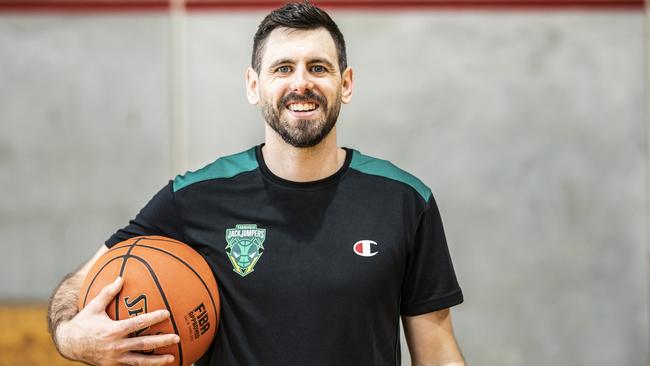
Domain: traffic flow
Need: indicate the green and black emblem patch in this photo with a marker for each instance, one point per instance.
(245, 247)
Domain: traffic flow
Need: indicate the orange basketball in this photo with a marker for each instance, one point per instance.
(160, 273)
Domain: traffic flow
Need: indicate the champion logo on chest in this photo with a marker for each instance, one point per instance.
(365, 248)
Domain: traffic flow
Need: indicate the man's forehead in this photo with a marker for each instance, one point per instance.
(290, 43)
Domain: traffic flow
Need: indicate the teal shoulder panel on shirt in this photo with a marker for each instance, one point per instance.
(224, 167)
(384, 168)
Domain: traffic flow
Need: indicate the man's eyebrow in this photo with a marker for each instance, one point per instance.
(280, 62)
(322, 61)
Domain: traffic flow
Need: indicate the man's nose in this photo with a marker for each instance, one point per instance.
(301, 81)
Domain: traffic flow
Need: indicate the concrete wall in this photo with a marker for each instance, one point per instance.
(529, 127)
(83, 138)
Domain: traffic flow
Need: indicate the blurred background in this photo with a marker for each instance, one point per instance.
(528, 119)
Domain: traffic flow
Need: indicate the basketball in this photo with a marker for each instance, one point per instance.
(160, 273)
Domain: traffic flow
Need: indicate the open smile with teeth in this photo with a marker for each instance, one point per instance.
(302, 107)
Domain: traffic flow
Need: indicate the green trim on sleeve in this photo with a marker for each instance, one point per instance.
(384, 168)
(224, 167)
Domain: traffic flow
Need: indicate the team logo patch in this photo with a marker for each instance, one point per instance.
(364, 248)
(245, 247)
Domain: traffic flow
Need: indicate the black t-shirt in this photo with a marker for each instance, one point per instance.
(313, 273)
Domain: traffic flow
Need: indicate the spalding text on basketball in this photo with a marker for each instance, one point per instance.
(136, 307)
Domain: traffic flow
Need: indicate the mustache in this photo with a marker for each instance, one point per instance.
(308, 96)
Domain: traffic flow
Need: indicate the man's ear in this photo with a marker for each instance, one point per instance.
(252, 86)
(347, 85)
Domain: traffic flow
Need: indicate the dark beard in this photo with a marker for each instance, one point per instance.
(306, 133)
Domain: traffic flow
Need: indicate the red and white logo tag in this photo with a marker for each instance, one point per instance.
(364, 248)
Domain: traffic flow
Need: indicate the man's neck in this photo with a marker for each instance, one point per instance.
(302, 164)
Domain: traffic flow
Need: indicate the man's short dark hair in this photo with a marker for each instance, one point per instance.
(297, 15)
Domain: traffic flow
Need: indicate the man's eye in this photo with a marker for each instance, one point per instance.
(318, 69)
(283, 69)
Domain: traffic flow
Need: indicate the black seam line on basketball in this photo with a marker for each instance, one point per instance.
(140, 238)
(90, 285)
(191, 269)
(126, 256)
(145, 238)
(162, 294)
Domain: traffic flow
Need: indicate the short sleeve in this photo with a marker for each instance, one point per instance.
(430, 282)
(158, 217)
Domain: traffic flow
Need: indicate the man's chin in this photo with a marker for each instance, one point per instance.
(296, 119)
(301, 138)
(302, 141)
(300, 132)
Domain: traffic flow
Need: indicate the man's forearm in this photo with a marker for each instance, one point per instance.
(431, 339)
(63, 304)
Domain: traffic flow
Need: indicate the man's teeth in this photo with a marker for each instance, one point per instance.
(302, 107)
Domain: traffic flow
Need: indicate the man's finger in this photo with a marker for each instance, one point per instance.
(105, 296)
(142, 321)
(138, 359)
(147, 342)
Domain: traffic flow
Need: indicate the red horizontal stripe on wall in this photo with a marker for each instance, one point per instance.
(197, 5)
(425, 4)
(82, 5)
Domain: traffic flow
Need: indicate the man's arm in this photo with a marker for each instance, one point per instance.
(63, 302)
(91, 336)
(431, 341)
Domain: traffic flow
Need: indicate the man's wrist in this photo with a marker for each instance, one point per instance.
(62, 340)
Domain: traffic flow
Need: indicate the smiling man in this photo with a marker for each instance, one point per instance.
(318, 250)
